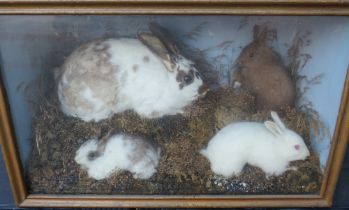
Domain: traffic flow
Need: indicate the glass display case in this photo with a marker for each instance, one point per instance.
(218, 107)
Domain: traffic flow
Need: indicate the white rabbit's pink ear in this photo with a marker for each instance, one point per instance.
(273, 128)
(158, 48)
(277, 120)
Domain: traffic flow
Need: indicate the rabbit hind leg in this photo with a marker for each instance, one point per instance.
(228, 169)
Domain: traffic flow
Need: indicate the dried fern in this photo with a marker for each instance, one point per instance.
(296, 63)
(196, 31)
(318, 127)
(35, 92)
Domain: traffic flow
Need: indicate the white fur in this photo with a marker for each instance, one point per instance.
(121, 153)
(269, 146)
(151, 90)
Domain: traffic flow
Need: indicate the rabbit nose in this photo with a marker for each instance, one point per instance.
(203, 89)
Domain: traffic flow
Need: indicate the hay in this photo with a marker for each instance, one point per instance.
(182, 170)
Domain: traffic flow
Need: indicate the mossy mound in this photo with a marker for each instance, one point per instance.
(182, 170)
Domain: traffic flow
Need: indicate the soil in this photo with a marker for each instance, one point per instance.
(182, 170)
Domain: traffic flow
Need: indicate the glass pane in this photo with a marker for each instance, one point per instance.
(174, 104)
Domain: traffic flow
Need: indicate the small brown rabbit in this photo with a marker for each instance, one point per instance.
(260, 70)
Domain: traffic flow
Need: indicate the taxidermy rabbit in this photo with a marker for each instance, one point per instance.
(146, 74)
(116, 153)
(261, 71)
(269, 146)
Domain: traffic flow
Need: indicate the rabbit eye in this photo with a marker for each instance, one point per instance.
(188, 79)
(297, 146)
(251, 55)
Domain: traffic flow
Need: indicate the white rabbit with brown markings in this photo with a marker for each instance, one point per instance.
(146, 74)
(116, 153)
(269, 145)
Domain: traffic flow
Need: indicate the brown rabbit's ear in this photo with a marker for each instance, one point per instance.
(256, 30)
(157, 47)
(260, 34)
(263, 35)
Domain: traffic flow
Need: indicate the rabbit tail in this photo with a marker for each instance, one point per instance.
(204, 152)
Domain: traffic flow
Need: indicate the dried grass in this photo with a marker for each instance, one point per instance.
(296, 63)
(182, 170)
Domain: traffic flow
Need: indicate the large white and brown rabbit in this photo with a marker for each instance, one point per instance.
(146, 74)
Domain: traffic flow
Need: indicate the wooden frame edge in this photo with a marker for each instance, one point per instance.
(181, 2)
(175, 10)
(9, 151)
(294, 7)
(340, 139)
(196, 7)
(175, 201)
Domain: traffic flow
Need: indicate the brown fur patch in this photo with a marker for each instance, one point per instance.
(135, 67)
(180, 77)
(80, 70)
(93, 155)
(100, 46)
(146, 59)
(116, 68)
(82, 48)
(141, 149)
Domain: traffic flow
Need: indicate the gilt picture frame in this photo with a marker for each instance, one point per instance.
(339, 138)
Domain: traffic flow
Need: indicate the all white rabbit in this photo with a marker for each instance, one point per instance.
(118, 152)
(269, 146)
(145, 74)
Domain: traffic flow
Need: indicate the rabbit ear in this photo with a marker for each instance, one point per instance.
(165, 37)
(158, 48)
(277, 120)
(260, 34)
(263, 35)
(273, 128)
(256, 32)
